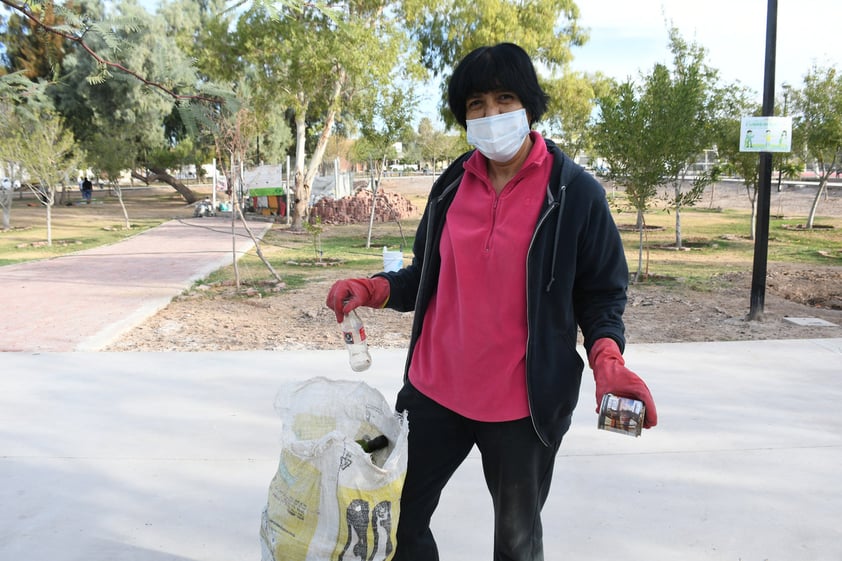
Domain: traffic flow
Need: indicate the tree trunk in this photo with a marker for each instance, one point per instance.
(678, 215)
(375, 184)
(304, 178)
(49, 207)
(301, 191)
(640, 226)
(327, 127)
(815, 206)
(119, 192)
(145, 178)
(189, 196)
(678, 243)
(6, 203)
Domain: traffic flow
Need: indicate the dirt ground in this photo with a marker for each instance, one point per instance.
(215, 318)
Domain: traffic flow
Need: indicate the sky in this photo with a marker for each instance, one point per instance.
(628, 38)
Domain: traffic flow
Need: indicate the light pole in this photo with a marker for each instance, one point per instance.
(761, 244)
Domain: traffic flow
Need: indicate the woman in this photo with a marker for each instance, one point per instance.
(515, 252)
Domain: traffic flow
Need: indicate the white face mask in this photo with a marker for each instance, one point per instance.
(499, 137)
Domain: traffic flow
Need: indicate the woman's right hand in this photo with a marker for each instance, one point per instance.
(347, 294)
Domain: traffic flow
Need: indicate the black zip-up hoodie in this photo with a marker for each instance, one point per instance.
(576, 277)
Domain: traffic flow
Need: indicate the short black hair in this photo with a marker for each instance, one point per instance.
(504, 66)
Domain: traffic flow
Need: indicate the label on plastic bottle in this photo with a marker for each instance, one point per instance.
(354, 337)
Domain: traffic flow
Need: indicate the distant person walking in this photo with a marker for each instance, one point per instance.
(87, 190)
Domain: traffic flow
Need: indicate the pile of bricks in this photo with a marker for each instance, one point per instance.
(356, 208)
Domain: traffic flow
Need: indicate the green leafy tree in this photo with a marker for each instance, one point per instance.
(447, 30)
(44, 148)
(120, 105)
(330, 54)
(127, 53)
(380, 128)
(627, 137)
(683, 101)
(818, 118)
(570, 111)
(438, 146)
(29, 49)
(206, 31)
(111, 152)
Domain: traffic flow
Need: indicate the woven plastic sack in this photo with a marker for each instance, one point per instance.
(329, 500)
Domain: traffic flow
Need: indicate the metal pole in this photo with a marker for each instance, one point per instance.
(764, 195)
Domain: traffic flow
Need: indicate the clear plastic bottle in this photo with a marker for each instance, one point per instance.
(354, 333)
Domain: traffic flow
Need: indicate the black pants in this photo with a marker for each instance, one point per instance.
(518, 470)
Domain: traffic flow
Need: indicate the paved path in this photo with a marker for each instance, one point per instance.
(168, 457)
(85, 300)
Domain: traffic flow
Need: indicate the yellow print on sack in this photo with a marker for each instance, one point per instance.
(293, 507)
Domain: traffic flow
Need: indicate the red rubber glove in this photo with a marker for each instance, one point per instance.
(612, 376)
(347, 294)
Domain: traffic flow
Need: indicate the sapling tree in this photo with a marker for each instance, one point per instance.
(818, 117)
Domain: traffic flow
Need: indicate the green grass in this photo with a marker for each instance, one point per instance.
(68, 236)
(720, 242)
(341, 246)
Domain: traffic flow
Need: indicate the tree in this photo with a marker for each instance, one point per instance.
(380, 128)
(120, 105)
(233, 124)
(626, 136)
(97, 43)
(447, 30)
(328, 56)
(45, 149)
(818, 117)
(30, 50)
(111, 152)
(205, 32)
(570, 111)
(683, 103)
(7, 155)
(437, 146)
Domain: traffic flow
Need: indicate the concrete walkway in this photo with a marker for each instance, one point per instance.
(168, 456)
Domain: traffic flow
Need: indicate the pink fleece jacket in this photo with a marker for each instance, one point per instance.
(471, 354)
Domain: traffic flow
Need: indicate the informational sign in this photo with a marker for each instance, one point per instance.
(766, 134)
